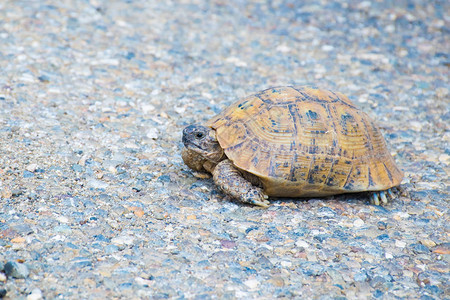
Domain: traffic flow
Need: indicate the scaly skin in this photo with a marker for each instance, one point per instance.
(231, 182)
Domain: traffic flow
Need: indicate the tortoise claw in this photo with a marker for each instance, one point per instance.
(375, 200)
(264, 203)
(382, 197)
(255, 196)
(261, 200)
(391, 193)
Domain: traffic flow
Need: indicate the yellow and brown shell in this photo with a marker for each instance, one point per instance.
(302, 142)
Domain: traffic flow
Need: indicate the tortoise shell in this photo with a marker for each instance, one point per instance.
(303, 142)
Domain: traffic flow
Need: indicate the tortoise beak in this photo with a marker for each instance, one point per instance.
(184, 139)
(187, 133)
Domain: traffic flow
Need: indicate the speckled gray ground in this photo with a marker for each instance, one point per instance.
(95, 199)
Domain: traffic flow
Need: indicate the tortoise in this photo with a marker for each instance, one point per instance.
(292, 142)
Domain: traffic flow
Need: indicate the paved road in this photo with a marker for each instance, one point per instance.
(96, 202)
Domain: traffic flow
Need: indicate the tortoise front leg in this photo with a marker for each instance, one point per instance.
(231, 182)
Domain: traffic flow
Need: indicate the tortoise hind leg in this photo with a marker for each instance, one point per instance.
(231, 182)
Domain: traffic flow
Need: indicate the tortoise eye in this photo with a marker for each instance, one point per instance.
(199, 135)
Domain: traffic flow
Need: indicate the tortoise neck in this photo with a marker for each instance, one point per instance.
(209, 165)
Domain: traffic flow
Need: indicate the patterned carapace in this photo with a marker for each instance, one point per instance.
(302, 141)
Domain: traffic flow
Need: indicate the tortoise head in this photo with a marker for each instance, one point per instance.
(200, 145)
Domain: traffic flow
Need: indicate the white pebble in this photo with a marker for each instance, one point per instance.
(32, 167)
(236, 61)
(252, 283)
(146, 108)
(400, 244)
(283, 48)
(358, 223)
(286, 264)
(327, 48)
(36, 294)
(97, 184)
(152, 133)
(301, 243)
(123, 240)
(63, 219)
(143, 282)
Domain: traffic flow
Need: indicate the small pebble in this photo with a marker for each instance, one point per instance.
(152, 133)
(252, 283)
(28, 174)
(97, 184)
(16, 192)
(428, 243)
(63, 229)
(228, 244)
(442, 248)
(77, 168)
(111, 249)
(382, 225)
(123, 240)
(286, 264)
(277, 281)
(32, 167)
(400, 244)
(361, 276)
(143, 281)
(16, 270)
(382, 237)
(301, 243)
(358, 223)
(419, 248)
(36, 294)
